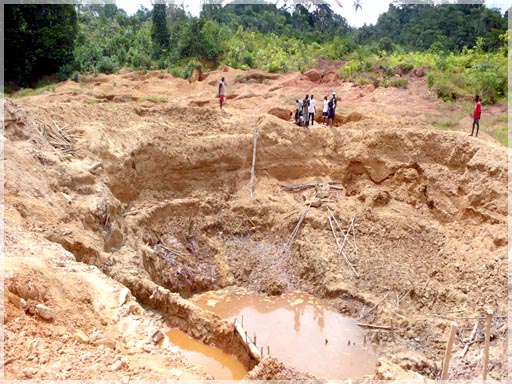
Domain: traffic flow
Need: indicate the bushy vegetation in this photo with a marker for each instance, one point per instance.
(450, 76)
(462, 48)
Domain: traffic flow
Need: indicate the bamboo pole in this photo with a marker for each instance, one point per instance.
(486, 346)
(251, 188)
(448, 353)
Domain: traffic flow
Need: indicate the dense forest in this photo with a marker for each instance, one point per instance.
(463, 46)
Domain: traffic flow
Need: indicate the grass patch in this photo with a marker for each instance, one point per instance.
(152, 99)
(501, 134)
(34, 91)
(447, 123)
(399, 83)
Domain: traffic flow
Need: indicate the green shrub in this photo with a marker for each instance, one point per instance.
(75, 76)
(64, 72)
(399, 83)
(184, 69)
(386, 45)
(107, 65)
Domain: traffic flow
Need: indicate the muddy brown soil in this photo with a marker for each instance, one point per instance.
(126, 194)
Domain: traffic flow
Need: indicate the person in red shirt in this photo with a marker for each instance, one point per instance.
(476, 116)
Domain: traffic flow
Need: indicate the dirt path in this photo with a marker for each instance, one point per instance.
(156, 194)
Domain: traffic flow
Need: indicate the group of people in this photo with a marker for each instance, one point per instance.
(306, 109)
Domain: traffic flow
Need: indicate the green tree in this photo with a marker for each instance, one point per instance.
(160, 36)
(39, 40)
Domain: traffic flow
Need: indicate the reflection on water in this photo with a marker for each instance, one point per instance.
(216, 362)
(300, 330)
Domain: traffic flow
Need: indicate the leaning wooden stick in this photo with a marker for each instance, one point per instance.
(251, 187)
(354, 233)
(448, 353)
(372, 308)
(296, 229)
(351, 226)
(341, 249)
(471, 338)
(486, 346)
(374, 326)
(345, 235)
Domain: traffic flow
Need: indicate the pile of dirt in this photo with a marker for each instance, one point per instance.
(154, 197)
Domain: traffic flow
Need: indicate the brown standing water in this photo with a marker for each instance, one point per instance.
(220, 365)
(301, 331)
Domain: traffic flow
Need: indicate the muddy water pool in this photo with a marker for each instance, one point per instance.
(219, 364)
(299, 329)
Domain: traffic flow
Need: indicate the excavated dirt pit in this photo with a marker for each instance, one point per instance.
(155, 197)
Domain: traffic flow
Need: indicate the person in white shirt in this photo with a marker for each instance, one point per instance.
(325, 110)
(311, 110)
(222, 92)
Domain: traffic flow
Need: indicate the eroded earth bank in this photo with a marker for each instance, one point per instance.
(120, 206)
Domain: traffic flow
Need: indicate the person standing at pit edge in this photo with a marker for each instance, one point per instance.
(305, 110)
(477, 112)
(312, 109)
(325, 110)
(222, 92)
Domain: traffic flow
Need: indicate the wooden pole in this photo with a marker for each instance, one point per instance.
(487, 341)
(448, 353)
(268, 350)
(251, 184)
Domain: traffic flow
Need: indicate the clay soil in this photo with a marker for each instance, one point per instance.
(121, 187)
